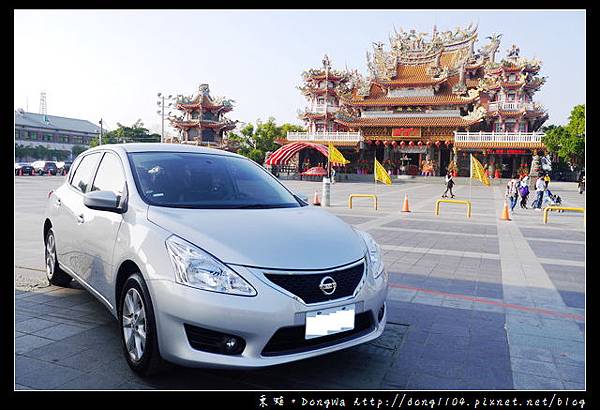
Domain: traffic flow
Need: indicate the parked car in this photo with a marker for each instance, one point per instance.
(42, 167)
(23, 167)
(206, 259)
(63, 166)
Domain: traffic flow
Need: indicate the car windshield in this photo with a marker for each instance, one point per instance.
(205, 181)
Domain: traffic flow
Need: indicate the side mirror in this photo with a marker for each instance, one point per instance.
(103, 201)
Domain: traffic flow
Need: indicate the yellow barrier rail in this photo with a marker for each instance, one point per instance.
(453, 201)
(352, 196)
(561, 208)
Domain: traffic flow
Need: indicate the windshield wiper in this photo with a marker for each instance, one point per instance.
(262, 206)
(253, 206)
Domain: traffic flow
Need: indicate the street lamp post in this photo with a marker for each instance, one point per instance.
(161, 112)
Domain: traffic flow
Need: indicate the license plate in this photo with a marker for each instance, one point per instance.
(329, 321)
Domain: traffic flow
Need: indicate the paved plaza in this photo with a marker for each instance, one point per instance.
(474, 303)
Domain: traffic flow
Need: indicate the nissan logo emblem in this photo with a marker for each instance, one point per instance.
(327, 285)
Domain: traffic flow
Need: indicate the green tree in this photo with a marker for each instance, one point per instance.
(124, 134)
(568, 141)
(77, 149)
(256, 141)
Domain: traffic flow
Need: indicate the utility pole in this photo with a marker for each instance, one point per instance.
(162, 134)
(43, 107)
(326, 190)
(101, 132)
(161, 112)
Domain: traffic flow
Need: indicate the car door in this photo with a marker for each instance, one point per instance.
(100, 228)
(69, 215)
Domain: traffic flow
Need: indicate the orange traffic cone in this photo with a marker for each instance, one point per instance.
(505, 216)
(21, 172)
(405, 204)
(316, 200)
(49, 173)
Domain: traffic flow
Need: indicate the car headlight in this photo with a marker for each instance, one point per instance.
(373, 254)
(198, 269)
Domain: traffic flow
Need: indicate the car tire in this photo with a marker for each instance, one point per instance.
(56, 276)
(139, 337)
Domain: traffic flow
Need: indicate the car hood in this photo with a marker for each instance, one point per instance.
(279, 238)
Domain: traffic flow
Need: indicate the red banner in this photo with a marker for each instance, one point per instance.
(509, 151)
(406, 132)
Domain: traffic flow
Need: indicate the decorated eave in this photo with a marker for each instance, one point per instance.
(474, 66)
(410, 82)
(408, 122)
(186, 124)
(317, 115)
(519, 113)
(412, 101)
(512, 84)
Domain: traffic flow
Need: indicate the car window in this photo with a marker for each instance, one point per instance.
(110, 175)
(191, 180)
(83, 173)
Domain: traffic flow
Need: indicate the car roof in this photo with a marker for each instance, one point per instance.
(161, 147)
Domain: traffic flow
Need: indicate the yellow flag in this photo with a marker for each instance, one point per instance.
(336, 156)
(381, 174)
(478, 172)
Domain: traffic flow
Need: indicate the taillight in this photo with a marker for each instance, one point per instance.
(50, 194)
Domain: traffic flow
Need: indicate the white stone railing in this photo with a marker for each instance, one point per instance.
(533, 137)
(332, 136)
(320, 108)
(510, 106)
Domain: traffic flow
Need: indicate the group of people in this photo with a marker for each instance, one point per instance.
(519, 188)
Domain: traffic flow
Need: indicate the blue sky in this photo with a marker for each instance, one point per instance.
(111, 64)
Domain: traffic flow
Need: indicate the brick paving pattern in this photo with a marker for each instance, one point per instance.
(475, 303)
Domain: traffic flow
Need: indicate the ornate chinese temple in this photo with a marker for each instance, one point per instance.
(428, 101)
(202, 121)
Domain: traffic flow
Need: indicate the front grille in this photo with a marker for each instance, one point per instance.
(289, 340)
(306, 285)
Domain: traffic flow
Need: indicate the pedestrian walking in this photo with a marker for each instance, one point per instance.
(581, 182)
(449, 185)
(512, 192)
(524, 193)
(546, 180)
(540, 187)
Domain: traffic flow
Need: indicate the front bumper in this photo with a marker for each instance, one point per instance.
(255, 319)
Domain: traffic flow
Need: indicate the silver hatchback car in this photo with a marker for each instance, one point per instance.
(206, 259)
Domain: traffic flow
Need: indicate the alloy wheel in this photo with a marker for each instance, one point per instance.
(134, 324)
(50, 255)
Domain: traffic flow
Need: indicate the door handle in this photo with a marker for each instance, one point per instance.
(80, 219)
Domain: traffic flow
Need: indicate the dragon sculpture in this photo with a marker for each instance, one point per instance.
(489, 51)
